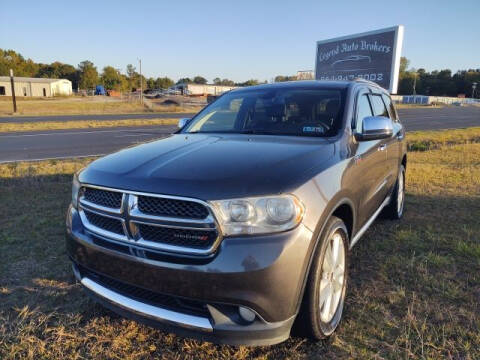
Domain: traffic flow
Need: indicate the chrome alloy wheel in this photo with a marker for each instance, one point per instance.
(333, 277)
(400, 192)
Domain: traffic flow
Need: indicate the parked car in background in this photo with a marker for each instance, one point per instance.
(242, 222)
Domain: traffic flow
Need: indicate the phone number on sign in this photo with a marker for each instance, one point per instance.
(371, 77)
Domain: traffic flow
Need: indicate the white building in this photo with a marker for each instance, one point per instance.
(305, 75)
(201, 90)
(25, 86)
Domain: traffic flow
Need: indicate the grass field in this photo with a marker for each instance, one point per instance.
(81, 124)
(414, 288)
(435, 139)
(79, 106)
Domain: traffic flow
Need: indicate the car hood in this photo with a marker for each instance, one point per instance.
(213, 166)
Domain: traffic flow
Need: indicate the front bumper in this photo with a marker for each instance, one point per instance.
(263, 273)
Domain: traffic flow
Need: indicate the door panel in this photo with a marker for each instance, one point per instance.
(388, 170)
(369, 166)
(394, 149)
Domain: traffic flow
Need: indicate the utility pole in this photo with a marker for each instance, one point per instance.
(474, 86)
(13, 91)
(141, 81)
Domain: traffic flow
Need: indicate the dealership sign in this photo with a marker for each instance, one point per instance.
(374, 56)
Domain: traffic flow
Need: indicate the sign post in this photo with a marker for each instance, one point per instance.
(373, 55)
(13, 91)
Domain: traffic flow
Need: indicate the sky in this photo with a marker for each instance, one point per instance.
(239, 40)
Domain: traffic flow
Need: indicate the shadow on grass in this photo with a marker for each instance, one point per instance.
(414, 288)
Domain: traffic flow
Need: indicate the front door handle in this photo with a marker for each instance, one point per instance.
(382, 147)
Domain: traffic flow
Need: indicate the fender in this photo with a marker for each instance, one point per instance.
(337, 201)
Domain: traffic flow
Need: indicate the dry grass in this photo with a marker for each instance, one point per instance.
(78, 105)
(414, 287)
(434, 139)
(81, 124)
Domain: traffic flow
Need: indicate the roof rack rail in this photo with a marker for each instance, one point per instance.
(358, 79)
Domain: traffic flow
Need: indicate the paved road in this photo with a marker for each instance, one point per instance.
(18, 119)
(73, 143)
(60, 144)
(440, 118)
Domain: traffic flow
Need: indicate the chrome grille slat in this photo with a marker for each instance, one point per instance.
(171, 208)
(109, 199)
(104, 222)
(134, 224)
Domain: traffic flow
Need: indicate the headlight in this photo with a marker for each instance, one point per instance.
(260, 215)
(76, 186)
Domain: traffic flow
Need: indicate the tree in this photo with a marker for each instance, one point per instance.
(199, 80)
(131, 71)
(58, 70)
(225, 82)
(405, 84)
(133, 77)
(112, 79)
(250, 82)
(184, 81)
(281, 78)
(404, 62)
(150, 83)
(88, 75)
(163, 83)
(10, 59)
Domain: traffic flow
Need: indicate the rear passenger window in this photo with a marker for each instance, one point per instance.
(388, 102)
(363, 110)
(379, 108)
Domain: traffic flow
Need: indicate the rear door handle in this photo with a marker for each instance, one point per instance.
(382, 147)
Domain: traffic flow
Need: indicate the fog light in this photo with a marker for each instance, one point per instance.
(246, 314)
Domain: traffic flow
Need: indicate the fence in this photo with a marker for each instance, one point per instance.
(426, 100)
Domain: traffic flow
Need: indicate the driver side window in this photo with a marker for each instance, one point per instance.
(363, 110)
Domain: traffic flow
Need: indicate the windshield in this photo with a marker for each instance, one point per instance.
(298, 112)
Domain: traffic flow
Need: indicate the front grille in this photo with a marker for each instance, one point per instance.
(147, 296)
(171, 207)
(105, 223)
(164, 223)
(179, 237)
(105, 198)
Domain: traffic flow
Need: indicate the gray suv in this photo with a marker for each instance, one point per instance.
(241, 223)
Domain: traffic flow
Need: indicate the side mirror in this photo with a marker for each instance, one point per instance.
(183, 122)
(375, 128)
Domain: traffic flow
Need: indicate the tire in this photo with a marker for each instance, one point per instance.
(316, 318)
(394, 210)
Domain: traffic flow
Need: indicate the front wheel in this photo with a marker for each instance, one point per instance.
(325, 293)
(394, 210)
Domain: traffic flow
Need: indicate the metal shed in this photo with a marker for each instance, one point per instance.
(42, 87)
